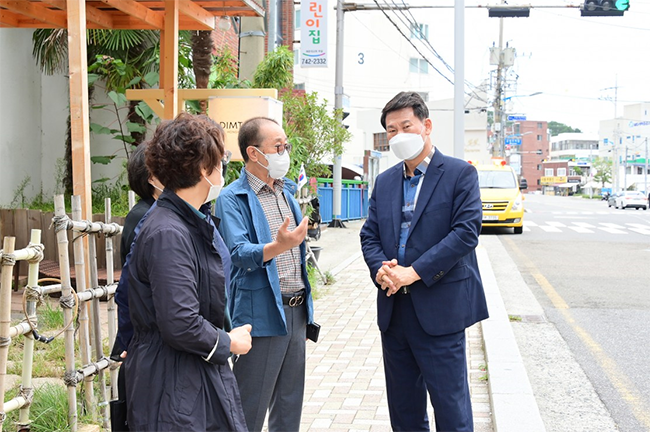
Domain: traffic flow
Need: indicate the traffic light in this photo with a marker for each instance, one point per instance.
(499, 11)
(343, 117)
(604, 7)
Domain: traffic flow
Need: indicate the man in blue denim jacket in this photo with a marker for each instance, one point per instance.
(263, 227)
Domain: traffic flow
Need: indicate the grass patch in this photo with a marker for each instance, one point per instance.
(49, 409)
(514, 318)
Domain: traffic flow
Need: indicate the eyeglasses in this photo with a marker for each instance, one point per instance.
(280, 148)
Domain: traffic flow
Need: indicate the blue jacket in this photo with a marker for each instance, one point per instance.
(440, 245)
(255, 284)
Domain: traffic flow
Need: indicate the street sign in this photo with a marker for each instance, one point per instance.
(513, 141)
(516, 118)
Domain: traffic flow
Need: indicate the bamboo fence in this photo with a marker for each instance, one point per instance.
(83, 302)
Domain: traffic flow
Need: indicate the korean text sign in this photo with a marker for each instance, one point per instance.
(313, 33)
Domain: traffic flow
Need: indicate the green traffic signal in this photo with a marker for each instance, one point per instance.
(622, 5)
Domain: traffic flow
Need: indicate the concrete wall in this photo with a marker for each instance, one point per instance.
(33, 112)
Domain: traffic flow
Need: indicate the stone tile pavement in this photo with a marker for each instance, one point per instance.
(345, 387)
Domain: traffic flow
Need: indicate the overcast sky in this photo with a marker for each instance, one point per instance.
(574, 61)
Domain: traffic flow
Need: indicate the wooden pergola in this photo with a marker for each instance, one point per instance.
(167, 16)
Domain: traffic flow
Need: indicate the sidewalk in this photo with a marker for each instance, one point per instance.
(345, 388)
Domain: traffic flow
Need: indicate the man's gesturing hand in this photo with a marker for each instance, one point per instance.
(240, 339)
(290, 239)
(286, 240)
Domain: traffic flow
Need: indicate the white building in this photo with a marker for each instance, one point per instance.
(577, 148)
(624, 140)
(378, 63)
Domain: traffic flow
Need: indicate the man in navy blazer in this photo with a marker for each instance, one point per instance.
(418, 242)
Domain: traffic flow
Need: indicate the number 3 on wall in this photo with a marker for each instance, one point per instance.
(361, 59)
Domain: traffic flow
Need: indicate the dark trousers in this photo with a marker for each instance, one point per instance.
(272, 376)
(416, 363)
(118, 406)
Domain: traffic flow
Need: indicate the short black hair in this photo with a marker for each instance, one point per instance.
(249, 134)
(406, 100)
(138, 174)
(180, 148)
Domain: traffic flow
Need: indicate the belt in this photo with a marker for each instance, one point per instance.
(404, 290)
(294, 299)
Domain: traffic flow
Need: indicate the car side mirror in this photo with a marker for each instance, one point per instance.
(523, 184)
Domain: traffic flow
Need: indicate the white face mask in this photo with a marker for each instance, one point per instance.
(406, 146)
(156, 187)
(214, 191)
(278, 164)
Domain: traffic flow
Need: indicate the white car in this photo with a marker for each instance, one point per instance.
(631, 199)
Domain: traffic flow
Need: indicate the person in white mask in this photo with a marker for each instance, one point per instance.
(264, 229)
(418, 241)
(177, 371)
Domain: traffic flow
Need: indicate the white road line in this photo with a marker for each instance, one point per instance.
(611, 225)
(572, 212)
(641, 231)
(527, 210)
(584, 224)
(588, 212)
(604, 212)
(557, 212)
(612, 230)
(581, 230)
(530, 223)
(550, 228)
(638, 225)
(526, 229)
(555, 224)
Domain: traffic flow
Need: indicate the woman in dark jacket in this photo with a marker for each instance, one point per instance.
(177, 374)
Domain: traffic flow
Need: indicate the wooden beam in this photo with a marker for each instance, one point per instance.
(79, 111)
(137, 10)
(36, 11)
(198, 14)
(202, 94)
(8, 19)
(93, 15)
(255, 7)
(171, 59)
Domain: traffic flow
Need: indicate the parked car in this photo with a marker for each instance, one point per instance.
(633, 199)
(611, 199)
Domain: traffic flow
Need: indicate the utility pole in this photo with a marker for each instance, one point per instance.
(459, 79)
(645, 172)
(498, 145)
(337, 168)
(625, 170)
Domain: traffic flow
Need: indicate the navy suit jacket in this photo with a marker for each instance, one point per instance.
(440, 246)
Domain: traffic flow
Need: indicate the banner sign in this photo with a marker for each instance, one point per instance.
(313, 33)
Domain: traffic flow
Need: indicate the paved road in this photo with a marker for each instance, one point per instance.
(586, 265)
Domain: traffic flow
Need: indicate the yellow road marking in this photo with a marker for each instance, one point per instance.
(621, 382)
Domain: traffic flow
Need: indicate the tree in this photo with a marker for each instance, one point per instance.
(202, 61)
(315, 132)
(603, 169)
(275, 71)
(557, 128)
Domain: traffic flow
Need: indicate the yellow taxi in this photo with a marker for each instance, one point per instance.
(503, 202)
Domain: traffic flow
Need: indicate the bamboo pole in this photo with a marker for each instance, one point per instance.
(97, 329)
(64, 263)
(112, 310)
(28, 347)
(84, 326)
(7, 263)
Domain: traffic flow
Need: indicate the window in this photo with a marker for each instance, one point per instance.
(561, 172)
(380, 141)
(539, 137)
(417, 65)
(295, 57)
(548, 172)
(296, 21)
(539, 125)
(517, 128)
(420, 31)
(539, 167)
(299, 86)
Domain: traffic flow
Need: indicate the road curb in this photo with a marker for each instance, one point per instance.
(514, 407)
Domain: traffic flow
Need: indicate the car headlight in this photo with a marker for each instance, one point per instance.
(517, 204)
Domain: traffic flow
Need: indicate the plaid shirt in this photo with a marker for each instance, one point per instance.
(276, 208)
